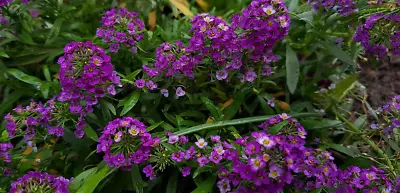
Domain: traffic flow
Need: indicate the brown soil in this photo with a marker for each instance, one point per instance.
(382, 81)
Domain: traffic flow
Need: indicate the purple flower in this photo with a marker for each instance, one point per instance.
(266, 142)
(82, 85)
(190, 153)
(178, 156)
(122, 133)
(185, 171)
(79, 133)
(164, 92)
(202, 161)
(121, 28)
(172, 139)
(183, 139)
(148, 171)
(180, 92)
(215, 157)
(222, 74)
(216, 139)
(34, 13)
(224, 186)
(140, 83)
(201, 143)
(40, 182)
(250, 76)
(275, 171)
(151, 85)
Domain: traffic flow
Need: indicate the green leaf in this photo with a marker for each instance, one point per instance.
(173, 183)
(137, 179)
(338, 53)
(55, 30)
(133, 75)
(317, 190)
(109, 106)
(392, 144)
(45, 88)
(129, 102)
(319, 124)
(90, 132)
(231, 110)
(206, 186)
(201, 170)
(93, 181)
(343, 87)
(78, 181)
(359, 123)
(46, 73)
(3, 54)
(276, 128)
(24, 77)
(292, 69)
(342, 149)
(155, 125)
(293, 5)
(233, 122)
(215, 111)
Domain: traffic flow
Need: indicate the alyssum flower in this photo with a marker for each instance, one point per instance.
(125, 141)
(121, 28)
(40, 182)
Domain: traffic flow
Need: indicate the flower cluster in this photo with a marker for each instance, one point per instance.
(251, 36)
(395, 39)
(121, 28)
(354, 180)
(343, 7)
(378, 24)
(390, 114)
(213, 38)
(172, 60)
(40, 182)
(5, 2)
(4, 154)
(265, 162)
(125, 142)
(260, 27)
(86, 74)
(36, 118)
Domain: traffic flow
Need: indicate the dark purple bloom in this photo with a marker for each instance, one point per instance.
(178, 156)
(121, 28)
(140, 83)
(148, 171)
(185, 171)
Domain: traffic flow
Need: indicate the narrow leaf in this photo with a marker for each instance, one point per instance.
(93, 181)
(78, 181)
(129, 102)
(338, 53)
(90, 132)
(292, 69)
(276, 128)
(205, 186)
(24, 77)
(215, 112)
(137, 179)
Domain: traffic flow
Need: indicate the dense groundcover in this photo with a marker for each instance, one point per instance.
(197, 96)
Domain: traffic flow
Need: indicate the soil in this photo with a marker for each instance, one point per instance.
(382, 81)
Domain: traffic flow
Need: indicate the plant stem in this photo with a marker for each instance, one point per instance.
(369, 142)
(233, 122)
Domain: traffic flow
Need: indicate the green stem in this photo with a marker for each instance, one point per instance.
(369, 142)
(233, 122)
